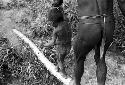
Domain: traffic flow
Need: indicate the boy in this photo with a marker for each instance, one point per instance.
(62, 35)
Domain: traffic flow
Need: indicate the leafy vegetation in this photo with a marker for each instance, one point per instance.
(18, 64)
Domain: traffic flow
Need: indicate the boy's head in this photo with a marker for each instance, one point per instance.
(57, 3)
(55, 15)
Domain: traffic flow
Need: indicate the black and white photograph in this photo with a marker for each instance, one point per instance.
(62, 42)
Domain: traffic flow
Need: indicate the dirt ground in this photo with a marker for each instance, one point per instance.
(115, 73)
(115, 63)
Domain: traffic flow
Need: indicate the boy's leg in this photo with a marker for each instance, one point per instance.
(61, 56)
(62, 51)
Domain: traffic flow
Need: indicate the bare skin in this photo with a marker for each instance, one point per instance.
(89, 36)
(57, 3)
(62, 40)
(54, 37)
(122, 6)
(61, 37)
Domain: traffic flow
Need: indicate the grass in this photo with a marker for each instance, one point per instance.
(29, 70)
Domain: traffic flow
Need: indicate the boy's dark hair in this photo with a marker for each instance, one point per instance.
(57, 3)
(55, 15)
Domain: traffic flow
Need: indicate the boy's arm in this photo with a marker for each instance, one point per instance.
(57, 30)
(54, 37)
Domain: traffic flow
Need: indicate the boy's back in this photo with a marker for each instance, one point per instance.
(64, 33)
